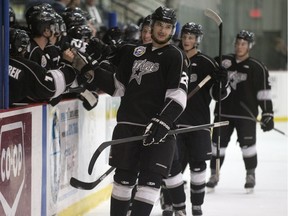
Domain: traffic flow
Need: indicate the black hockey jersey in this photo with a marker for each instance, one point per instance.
(149, 81)
(197, 110)
(249, 82)
(28, 79)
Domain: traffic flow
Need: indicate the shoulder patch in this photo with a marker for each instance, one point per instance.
(139, 51)
(226, 63)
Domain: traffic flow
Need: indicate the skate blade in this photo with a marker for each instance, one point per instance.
(210, 190)
(249, 190)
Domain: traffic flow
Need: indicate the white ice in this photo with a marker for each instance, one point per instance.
(230, 198)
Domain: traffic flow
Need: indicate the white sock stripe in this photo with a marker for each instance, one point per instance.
(175, 181)
(249, 151)
(198, 178)
(147, 194)
(121, 192)
(202, 190)
(214, 150)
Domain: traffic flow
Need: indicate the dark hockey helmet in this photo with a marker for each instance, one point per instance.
(35, 9)
(60, 25)
(193, 28)
(18, 41)
(164, 14)
(82, 32)
(248, 36)
(40, 21)
(131, 32)
(146, 22)
(74, 19)
(12, 17)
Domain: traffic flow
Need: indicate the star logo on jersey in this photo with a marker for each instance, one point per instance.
(139, 51)
(142, 67)
(235, 77)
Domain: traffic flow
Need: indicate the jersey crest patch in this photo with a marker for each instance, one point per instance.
(193, 78)
(226, 63)
(43, 61)
(139, 51)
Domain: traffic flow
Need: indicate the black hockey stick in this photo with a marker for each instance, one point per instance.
(89, 185)
(217, 19)
(256, 120)
(199, 86)
(138, 138)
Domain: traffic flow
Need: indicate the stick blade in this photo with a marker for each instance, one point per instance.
(213, 15)
(80, 184)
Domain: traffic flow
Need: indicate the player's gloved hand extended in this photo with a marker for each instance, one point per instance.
(83, 63)
(97, 49)
(156, 131)
(90, 99)
(220, 74)
(267, 122)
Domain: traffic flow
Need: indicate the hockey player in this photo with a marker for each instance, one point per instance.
(28, 79)
(249, 83)
(152, 80)
(194, 147)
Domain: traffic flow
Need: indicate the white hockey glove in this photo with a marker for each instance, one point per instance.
(156, 131)
(90, 99)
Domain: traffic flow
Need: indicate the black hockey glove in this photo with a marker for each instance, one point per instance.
(156, 131)
(267, 122)
(220, 74)
(89, 98)
(97, 49)
(84, 63)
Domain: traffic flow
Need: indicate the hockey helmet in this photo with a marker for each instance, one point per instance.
(113, 36)
(18, 41)
(131, 32)
(193, 28)
(146, 22)
(12, 17)
(248, 36)
(164, 14)
(39, 21)
(74, 19)
(82, 32)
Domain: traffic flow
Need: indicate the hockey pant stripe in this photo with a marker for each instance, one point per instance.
(147, 194)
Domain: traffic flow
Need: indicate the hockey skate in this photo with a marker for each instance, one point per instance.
(196, 210)
(167, 210)
(250, 183)
(213, 181)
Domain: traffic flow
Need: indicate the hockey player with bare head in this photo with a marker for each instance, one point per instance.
(250, 89)
(151, 80)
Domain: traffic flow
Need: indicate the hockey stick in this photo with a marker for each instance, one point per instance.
(89, 185)
(138, 138)
(256, 120)
(217, 19)
(199, 86)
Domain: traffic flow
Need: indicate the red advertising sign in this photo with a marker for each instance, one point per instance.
(15, 165)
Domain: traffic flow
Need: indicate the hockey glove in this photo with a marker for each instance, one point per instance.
(84, 63)
(97, 49)
(89, 98)
(267, 122)
(220, 74)
(156, 131)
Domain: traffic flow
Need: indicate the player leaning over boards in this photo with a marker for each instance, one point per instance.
(152, 81)
(250, 88)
